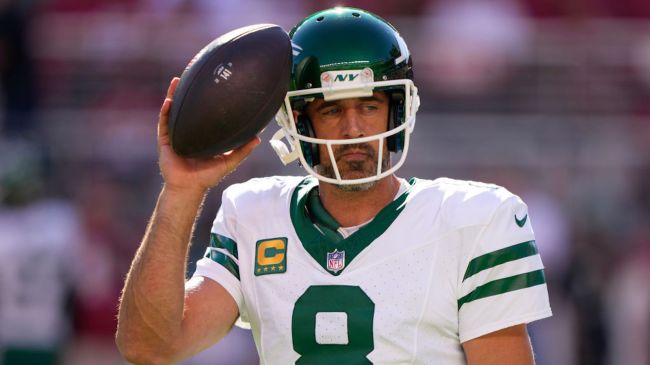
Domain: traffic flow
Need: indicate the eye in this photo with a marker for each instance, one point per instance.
(370, 107)
(330, 111)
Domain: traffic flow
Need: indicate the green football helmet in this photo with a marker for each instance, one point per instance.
(342, 53)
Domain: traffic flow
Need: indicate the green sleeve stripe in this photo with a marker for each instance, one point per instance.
(499, 257)
(224, 260)
(504, 285)
(219, 241)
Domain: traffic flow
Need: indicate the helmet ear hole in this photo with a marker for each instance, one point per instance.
(309, 150)
(395, 143)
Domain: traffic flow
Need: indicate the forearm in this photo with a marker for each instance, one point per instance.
(151, 308)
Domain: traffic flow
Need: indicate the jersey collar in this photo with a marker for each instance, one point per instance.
(317, 229)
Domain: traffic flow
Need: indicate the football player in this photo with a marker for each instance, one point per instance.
(349, 264)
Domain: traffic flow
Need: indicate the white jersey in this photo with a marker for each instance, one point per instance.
(447, 261)
(38, 264)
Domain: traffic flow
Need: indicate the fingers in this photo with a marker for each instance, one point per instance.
(172, 87)
(163, 118)
(164, 110)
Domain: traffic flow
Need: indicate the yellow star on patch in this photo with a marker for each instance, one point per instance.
(272, 268)
(280, 267)
(266, 269)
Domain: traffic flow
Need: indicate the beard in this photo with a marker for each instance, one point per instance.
(348, 169)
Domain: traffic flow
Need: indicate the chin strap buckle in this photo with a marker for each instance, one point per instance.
(281, 148)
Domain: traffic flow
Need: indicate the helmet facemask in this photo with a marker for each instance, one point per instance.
(289, 131)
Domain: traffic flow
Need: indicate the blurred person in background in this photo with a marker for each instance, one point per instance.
(628, 290)
(628, 307)
(39, 244)
(18, 93)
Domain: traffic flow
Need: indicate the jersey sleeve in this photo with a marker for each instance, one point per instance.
(221, 260)
(502, 282)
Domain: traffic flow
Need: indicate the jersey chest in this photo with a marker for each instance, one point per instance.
(397, 291)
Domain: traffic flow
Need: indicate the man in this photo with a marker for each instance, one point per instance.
(40, 248)
(354, 267)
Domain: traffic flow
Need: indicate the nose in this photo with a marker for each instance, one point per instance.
(352, 124)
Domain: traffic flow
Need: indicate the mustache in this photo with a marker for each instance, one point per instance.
(338, 153)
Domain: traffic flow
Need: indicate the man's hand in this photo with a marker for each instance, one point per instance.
(192, 173)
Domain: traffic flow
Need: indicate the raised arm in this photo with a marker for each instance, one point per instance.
(163, 319)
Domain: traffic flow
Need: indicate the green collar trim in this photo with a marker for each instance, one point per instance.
(319, 215)
(317, 229)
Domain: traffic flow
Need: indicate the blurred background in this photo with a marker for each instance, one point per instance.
(550, 98)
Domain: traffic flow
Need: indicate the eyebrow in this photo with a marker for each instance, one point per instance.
(328, 104)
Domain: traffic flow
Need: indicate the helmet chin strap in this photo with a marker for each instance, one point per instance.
(281, 148)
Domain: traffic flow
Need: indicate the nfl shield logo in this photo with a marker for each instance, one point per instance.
(335, 261)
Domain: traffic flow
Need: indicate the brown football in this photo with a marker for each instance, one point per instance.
(230, 91)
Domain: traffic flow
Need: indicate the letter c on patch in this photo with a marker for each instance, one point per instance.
(270, 252)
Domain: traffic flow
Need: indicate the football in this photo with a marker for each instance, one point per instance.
(230, 90)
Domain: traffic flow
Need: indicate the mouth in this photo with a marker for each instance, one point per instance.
(354, 155)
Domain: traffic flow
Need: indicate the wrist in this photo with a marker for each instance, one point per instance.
(187, 193)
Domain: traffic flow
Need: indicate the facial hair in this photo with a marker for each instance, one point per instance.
(356, 166)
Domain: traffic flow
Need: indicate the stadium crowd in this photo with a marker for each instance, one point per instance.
(550, 99)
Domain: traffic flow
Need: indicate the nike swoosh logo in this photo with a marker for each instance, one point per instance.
(522, 221)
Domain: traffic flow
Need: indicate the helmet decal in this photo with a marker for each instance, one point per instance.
(296, 49)
(403, 50)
